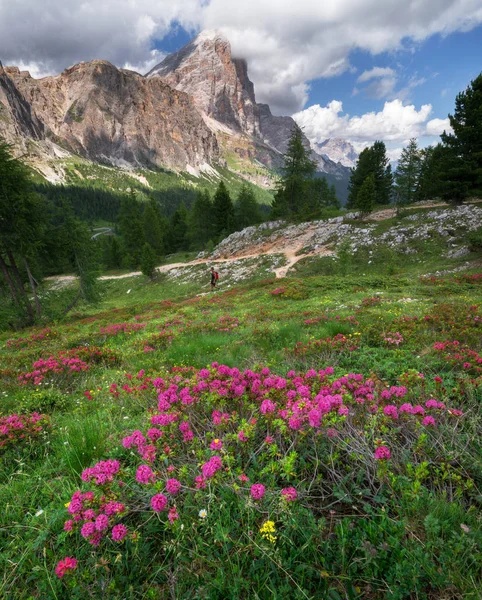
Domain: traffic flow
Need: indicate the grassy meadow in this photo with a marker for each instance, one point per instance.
(311, 437)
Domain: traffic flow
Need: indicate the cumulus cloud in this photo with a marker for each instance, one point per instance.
(59, 33)
(396, 122)
(287, 44)
(438, 126)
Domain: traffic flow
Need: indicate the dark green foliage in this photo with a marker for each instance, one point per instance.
(246, 209)
(463, 161)
(154, 226)
(407, 175)
(429, 180)
(131, 228)
(176, 238)
(148, 261)
(293, 196)
(200, 221)
(366, 196)
(223, 212)
(372, 161)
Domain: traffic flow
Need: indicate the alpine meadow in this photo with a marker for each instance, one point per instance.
(240, 352)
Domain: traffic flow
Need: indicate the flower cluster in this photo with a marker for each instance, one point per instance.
(393, 339)
(41, 336)
(16, 428)
(67, 565)
(117, 328)
(338, 343)
(267, 531)
(460, 355)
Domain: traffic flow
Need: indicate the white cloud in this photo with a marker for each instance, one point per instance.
(438, 126)
(376, 73)
(287, 44)
(396, 122)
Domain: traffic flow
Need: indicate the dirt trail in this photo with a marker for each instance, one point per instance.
(289, 249)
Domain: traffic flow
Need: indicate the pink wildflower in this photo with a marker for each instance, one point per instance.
(216, 444)
(289, 494)
(64, 566)
(428, 421)
(102, 522)
(119, 532)
(242, 437)
(144, 474)
(158, 502)
(173, 486)
(382, 453)
(257, 491)
(87, 530)
(173, 514)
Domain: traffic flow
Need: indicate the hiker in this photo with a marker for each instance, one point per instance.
(214, 278)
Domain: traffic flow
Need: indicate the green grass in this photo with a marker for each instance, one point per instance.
(362, 533)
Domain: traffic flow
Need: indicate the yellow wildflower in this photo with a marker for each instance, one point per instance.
(268, 530)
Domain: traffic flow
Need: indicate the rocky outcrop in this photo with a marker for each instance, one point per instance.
(112, 115)
(338, 151)
(218, 83)
(17, 121)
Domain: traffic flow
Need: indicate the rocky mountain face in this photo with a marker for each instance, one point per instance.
(107, 114)
(338, 151)
(195, 108)
(221, 89)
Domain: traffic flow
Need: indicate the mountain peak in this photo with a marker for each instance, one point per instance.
(338, 150)
(219, 84)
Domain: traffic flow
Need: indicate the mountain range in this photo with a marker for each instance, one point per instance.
(196, 109)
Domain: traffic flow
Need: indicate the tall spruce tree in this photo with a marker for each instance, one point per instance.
(223, 211)
(366, 196)
(372, 161)
(200, 221)
(296, 175)
(131, 229)
(176, 239)
(246, 208)
(462, 172)
(407, 175)
(152, 225)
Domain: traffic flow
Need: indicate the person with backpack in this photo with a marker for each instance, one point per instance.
(214, 278)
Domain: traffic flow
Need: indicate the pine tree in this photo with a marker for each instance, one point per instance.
(200, 221)
(22, 225)
(407, 176)
(152, 227)
(148, 261)
(130, 228)
(383, 173)
(366, 196)
(223, 212)
(176, 238)
(372, 161)
(298, 171)
(462, 175)
(246, 209)
(333, 201)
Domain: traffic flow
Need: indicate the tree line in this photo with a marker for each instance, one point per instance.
(450, 170)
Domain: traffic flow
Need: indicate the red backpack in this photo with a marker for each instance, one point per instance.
(216, 275)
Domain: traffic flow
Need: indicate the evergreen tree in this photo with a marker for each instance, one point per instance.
(200, 221)
(22, 225)
(246, 209)
(372, 161)
(131, 229)
(148, 261)
(177, 231)
(152, 227)
(363, 168)
(462, 173)
(407, 176)
(296, 175)
(366, 196)
(333, 201)
(223, 211)
(382, 171)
